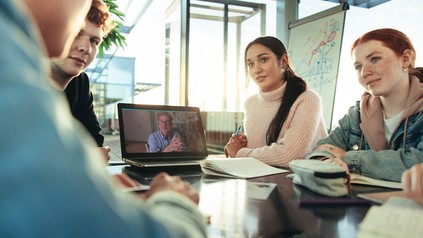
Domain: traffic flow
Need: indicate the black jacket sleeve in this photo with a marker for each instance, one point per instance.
(80, 100)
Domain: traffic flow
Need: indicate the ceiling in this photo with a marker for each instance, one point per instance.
(360, 3)
(134, 9)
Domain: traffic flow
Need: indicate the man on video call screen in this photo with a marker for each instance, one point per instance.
(161, 131)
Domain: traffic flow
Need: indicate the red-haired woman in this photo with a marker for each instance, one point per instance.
(382, 135)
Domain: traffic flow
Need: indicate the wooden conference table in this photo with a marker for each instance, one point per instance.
(236, 209)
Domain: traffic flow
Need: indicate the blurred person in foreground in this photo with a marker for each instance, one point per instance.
(54, 187)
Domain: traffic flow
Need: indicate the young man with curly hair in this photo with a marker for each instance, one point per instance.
(68, 73)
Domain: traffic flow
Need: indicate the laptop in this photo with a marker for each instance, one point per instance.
(143, 143)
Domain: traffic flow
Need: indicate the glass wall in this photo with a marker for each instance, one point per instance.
(157, 58)
(218, 34)
(216, 81)
(112, 81)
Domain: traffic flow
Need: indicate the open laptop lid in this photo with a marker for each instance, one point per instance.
(142, 140)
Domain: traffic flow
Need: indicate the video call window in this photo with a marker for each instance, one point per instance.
(152, 131)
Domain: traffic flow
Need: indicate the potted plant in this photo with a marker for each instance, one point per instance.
(114, 37)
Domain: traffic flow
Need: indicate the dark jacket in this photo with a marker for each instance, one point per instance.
(80, 101)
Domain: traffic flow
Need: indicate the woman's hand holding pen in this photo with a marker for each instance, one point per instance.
(241, 138)
(235, 144)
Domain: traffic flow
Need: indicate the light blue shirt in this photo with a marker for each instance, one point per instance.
(52, 184)
(157, 142)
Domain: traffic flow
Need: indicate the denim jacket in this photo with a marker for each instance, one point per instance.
(389, 162)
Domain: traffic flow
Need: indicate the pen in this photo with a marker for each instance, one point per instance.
(237, 131)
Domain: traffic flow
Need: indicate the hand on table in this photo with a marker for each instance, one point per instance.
(125, 181)
(164, 182)
(337, 152)
(339, 162)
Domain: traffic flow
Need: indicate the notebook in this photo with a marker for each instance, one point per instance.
(143, 143)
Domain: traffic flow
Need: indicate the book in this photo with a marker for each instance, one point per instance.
(360, 179)
(398, 217)
(241, 167)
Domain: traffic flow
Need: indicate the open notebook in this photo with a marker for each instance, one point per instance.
(142, 141)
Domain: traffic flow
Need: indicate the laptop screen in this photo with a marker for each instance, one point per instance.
(154, 132)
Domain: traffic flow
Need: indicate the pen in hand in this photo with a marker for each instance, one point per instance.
(237, 132)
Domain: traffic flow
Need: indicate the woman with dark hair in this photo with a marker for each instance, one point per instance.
(283, 122)
(381, 136)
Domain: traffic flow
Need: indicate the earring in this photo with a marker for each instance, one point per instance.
(404, 69)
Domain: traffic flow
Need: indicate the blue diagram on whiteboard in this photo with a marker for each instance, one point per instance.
(316, 60)
(314, 50)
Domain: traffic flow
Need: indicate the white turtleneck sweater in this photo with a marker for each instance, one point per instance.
(301, 131)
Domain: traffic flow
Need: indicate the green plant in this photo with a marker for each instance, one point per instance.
(114, 37)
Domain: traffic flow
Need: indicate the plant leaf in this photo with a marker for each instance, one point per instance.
(114, 37)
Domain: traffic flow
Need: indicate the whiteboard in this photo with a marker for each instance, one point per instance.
(314, 50)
